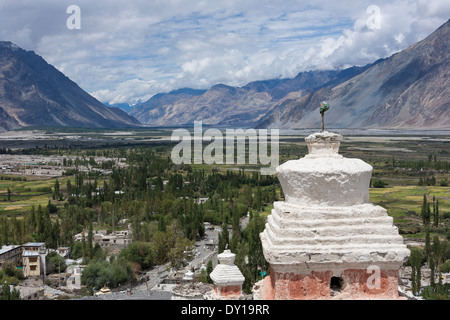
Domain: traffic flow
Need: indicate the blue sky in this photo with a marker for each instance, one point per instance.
(131, 50)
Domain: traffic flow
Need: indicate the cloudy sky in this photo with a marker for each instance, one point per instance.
(133, 49)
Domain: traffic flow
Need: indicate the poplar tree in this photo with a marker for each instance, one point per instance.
(31, 221)
(427, 248)
(425, 211)
(224, 240)
(56, 191)
(89, 242)
(436, 213)
(236, 227)
(416, 262)
(256, 259)
(83, 247)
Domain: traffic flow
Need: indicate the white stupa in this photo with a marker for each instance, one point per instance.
(326, 240)
(227, 277)
(189, 275)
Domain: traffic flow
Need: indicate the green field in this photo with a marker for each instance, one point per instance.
(34, 191)
(404, 204)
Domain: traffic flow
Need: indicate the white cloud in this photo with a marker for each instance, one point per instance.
(126, 91)
(132, 49)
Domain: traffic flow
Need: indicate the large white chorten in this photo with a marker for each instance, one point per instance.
(326, 240)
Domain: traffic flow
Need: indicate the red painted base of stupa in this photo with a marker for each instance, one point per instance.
(355, 284)
(228, 291)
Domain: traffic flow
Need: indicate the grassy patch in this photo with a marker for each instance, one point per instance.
(404, 203)
(25, 194)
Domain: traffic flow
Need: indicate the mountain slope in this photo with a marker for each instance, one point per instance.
(36, 94)
(7, 122)
(153, 111)
(226, 105)
(408, 90)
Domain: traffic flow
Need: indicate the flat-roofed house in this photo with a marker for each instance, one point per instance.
(33, 259)
(74, 281)
(64, 252)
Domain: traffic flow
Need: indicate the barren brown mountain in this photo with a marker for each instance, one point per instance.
(34, 93)
(409, 90)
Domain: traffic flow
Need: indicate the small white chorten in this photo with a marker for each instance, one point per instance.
(189, 275)
(227, 277)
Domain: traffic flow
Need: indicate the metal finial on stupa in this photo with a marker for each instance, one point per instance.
(324, 106)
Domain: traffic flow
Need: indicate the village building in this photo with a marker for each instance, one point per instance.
(73, 282)
(116, 239)
(201, 200)
(64, 252)
(33, 259)
(29, 292)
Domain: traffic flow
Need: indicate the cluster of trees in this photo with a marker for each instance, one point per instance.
(101, 273)
(431, 164)
(10, 275)
(36, 226)
(13, 178)
(426, 169)
(430, 216)
(55, 263)
(378, 184)
(8, 294)
(427, 181)
(435, 254)
(6, 151)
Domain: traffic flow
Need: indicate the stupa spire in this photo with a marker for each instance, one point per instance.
(324, 106)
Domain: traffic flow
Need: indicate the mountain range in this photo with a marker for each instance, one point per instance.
(408, 90)
(238, 106)
(34, 93)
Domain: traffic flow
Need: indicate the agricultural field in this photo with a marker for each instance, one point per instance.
(23, 195)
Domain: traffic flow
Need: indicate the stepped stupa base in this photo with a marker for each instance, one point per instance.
(227, 278)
